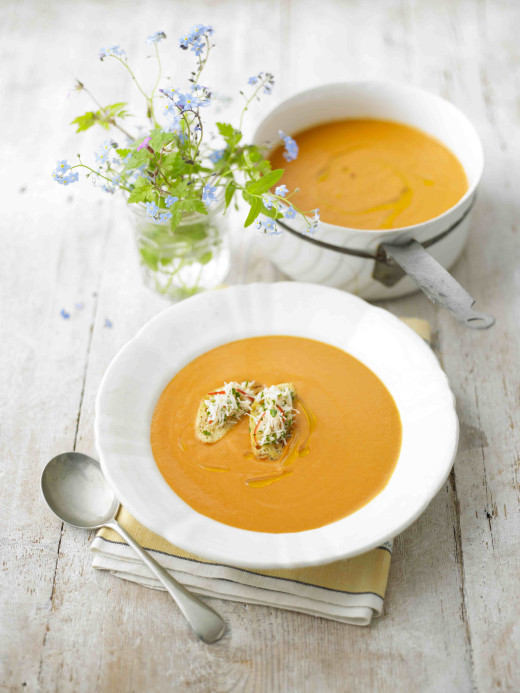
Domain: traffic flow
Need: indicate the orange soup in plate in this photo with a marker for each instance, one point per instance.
(341, 451)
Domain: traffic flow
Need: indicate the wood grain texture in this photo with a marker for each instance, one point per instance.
(452, 610)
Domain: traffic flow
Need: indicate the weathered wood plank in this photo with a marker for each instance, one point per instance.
(52, 247)
(480, 43)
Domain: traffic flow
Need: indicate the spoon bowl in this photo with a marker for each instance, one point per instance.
(77, 492)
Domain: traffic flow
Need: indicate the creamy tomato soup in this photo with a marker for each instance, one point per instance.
(372, 174)
(341, 453)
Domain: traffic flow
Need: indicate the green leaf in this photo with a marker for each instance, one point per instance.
(149, 258)
(263, 167)
(225, 129)
(104, 117)
(205, 257)
(116, 110)
(192, 205)
(137, 159)
(160, 138)
(123, 152)
(192, 233)
(176, 216)
(174, 165)
(180, 189)
(265, 183)
(142, 192)
(85, 121)
(230, 191)
(272, 213)
(254, 155)
(256, 208)
(229, 133)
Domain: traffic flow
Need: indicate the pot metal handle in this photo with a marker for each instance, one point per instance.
(437, 283)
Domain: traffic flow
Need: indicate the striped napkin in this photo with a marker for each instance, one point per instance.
(349, 591)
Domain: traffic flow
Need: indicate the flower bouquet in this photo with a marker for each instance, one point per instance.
(177, 180)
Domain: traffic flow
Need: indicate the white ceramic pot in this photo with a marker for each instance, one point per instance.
(302, 257)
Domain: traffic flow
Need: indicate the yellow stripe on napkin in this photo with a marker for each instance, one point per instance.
(422, 327)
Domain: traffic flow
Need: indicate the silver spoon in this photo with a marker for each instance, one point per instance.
(77, 493)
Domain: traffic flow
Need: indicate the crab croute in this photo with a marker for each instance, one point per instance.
(271, 420)
(221, 409)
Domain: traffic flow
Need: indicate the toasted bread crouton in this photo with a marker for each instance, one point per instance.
(222, 409)
(205, 431)
(271, 420)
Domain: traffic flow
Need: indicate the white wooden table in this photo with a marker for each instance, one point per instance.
(452, 615)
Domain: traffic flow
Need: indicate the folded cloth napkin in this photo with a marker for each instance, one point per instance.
(350, 591)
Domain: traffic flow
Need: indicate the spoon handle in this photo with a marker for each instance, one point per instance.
(206, 623)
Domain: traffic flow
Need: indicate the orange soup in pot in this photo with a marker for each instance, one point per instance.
(372, 174)
(341, 452)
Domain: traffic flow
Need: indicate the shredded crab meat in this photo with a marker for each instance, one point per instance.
(229, 402)
(275, 415)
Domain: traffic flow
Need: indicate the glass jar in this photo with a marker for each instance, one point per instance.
(180, 262)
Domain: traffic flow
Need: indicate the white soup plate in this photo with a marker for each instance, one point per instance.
(405, 364)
